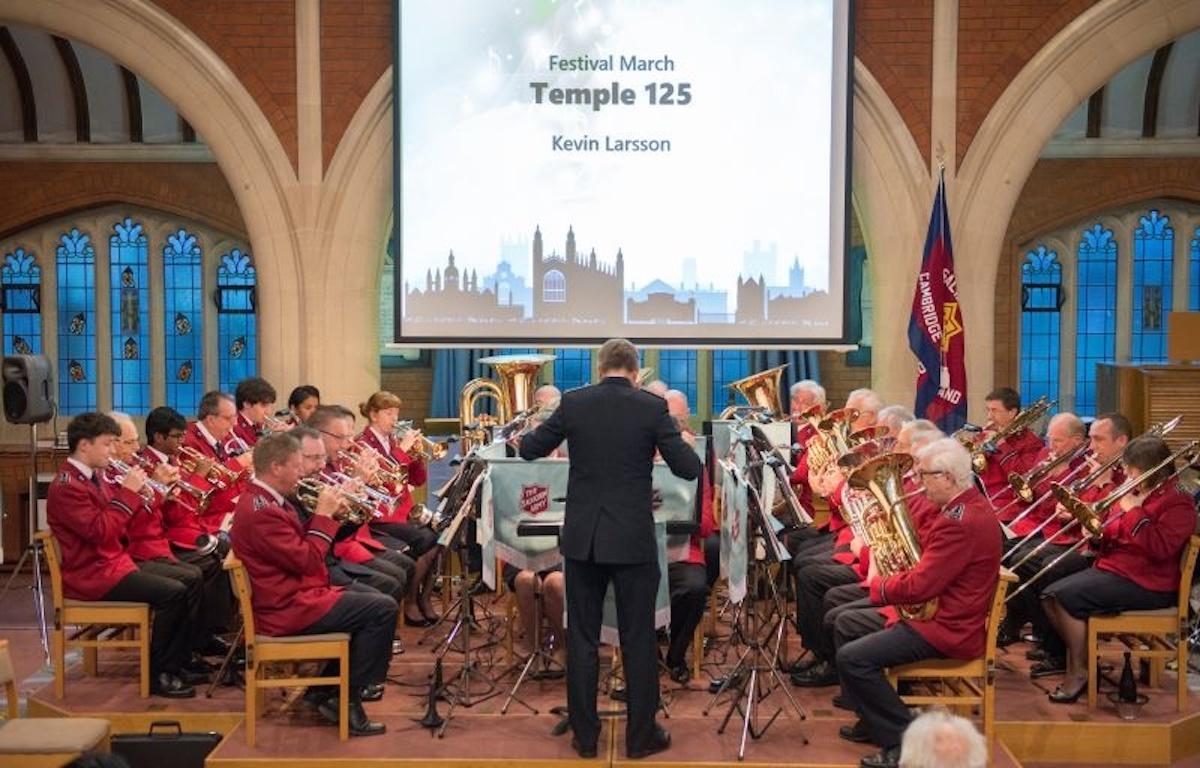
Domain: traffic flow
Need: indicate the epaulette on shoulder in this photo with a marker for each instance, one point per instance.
(64, 477)
(955, 512)
(260, 502)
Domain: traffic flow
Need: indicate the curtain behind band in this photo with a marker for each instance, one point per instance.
(452, 369)
(801, 364)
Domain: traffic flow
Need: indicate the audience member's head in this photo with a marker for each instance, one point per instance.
(938, 739)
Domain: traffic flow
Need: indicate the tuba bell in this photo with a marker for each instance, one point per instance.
(511, 394)
(761, 390)
(890, 533)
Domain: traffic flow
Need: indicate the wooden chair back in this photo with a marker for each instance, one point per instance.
(241, 589)
(8, 679)
(53, 555)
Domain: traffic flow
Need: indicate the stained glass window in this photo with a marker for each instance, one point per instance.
(76, 262)
(572, 368)
(1041, 302)
(183, 315)
(1194, 273)
(237, 324)
(130, 308)
(677, 367)
(728, 365)
(1153, 242)
(22, 296)
(1095, 312)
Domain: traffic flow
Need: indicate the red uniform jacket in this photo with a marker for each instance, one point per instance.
(1016, 454)
(89, 524)
(804, 433)
(145, 535)
(923, 513)
(1146, 543)
(960, 565)
(220, 502)
(359, 548)
(1038, 514)
(416, 474)
(285, 561)
(708, 524)
(246, 431)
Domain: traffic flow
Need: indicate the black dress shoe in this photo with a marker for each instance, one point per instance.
(372, 692)
(660, 741)
(424, 621)
(887, 758)
(1063, 696)
(360, 724)
(681, 674)
(586, 752)
(215, 646)
(197, 664)
(170, 686)
(314, 697)
(803, 665)
(192, 678)
(856, 733)
(818, 676)
(397, 647)
(1047, 668)
(1036, 654)
(841, 702)
(1005, 638)
(617, 694)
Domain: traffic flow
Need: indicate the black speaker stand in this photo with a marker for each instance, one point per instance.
(33, 548)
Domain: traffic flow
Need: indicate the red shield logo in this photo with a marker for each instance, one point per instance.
(535, 499)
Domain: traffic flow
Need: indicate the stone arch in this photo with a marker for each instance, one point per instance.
(156, 45)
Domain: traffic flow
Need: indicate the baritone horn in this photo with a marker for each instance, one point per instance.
(511, 393)
(761, 391)
(890, 532)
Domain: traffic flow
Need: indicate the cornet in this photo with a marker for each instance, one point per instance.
(374, 494)
(388, 471)
(179, 486)
(218, 474)
(353, 509)
(148, 490)
(428, 449)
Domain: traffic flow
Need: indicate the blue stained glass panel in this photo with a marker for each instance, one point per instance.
(1095, 312)
(22, 283)
(728, 365)
(184, 317)
(1041, 280)
(76, 266)
(128, 255)
(677, 367)
(1194, 273)
(1153, 242)
(237, 323)
(572, 368)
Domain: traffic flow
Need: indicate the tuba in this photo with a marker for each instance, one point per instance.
(890, 533)
(512, 394)
(761, 391)
(1026, 418)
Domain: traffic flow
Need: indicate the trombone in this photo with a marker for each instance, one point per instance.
(426, 448)
(1092, 517)
(1026, 418)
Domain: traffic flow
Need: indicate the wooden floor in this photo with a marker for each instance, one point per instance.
(1031, 730)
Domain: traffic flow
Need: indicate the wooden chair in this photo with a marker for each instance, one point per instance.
(954, 683)
(47, 741)
(262, 650)
(1155, 635)
(101, 624)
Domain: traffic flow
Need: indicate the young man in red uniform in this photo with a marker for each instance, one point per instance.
(1138, 566)
(90, 522)
(182, 526)
(285, 560)
(1016, 453)
(254, 399)
(959, 566)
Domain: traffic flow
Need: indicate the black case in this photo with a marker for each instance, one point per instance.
(165, 744)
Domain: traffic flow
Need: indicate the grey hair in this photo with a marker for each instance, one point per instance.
(1075, 425)
(938, 739)
(121, 417)
(865, 400)
(920, 438)
(948, 455)
(894, 417)
(810, 386)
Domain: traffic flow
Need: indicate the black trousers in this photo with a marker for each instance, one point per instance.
(689, 598)
(170, 635)
(854, 620)
(812, 582)
(378, 574)
(636, 587)
(814, 550)
(1028, 604)
(419, 538)
(861, 664)
(216, 607)
(794, 539)
(370, 618)
(712, 558)
(192, 578)
(836, 601)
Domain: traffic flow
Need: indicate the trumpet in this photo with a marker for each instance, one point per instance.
(375, 495)
(1026, 418)
(218, 474)
(1091, 517)
(147, 491)
(389, 470)
(428, 449)
(179, 486)
(272, 425)
(353, 509)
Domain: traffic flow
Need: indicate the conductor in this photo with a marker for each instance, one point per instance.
(614, 430)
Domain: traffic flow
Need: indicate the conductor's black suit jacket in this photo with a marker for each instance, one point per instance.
(613, 430)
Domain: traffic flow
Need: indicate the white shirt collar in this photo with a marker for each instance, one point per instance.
(207, 435)
(162, 457)
(274, 493)
(383, 440)
(84, 469)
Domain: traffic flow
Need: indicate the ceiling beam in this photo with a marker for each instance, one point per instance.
(1153, 88)
(83, 121)
(16, 62)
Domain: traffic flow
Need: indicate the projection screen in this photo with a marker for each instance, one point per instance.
(670, 171)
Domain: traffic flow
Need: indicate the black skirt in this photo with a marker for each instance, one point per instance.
(1093, 591)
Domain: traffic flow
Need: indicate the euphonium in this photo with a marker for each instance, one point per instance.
(761, 390)
(890, 533)
(1026, 418)
(512, 393)
(831, 441)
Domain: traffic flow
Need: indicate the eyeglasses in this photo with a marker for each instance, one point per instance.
(930, 472)
(321, 457)
(335, 436)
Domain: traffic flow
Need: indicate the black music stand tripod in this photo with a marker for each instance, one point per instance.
(546, 664)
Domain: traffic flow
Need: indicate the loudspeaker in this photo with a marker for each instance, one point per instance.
(28, 381)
